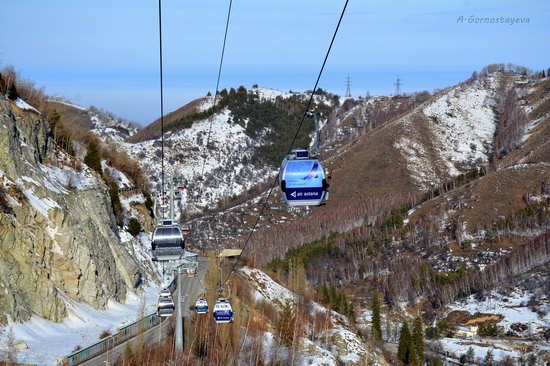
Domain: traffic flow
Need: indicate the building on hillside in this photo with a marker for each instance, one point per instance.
(469, 331)
(230, 253)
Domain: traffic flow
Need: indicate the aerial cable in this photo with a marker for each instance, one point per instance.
(161, 114)
(217, 87)
(291, 144)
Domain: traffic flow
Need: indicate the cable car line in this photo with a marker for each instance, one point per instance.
(216, 92)
(290, 147)
(161, 110)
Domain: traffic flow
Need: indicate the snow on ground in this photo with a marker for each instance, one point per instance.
(463, 126)
(500, 349)
(351, 347)
(120, 178)
(185, 149)
(313, 354)
(109, 127)
(207, 103)
(345, 345)
(59, 179)
(49, 341)
(409, 213)
(465, 123)
(24, 105)
(416, 156)
(269, 94)
(266, 288)
(42, 205)
(514, 308)
(141, 248)
(68, 104)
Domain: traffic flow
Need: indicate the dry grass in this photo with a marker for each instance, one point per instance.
(497, 194)
(153, 130)
(104, 334)
(461, 317)
(484, 319)
(369, 166)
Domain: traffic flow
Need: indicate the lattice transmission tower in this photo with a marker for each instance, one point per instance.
(348, 86)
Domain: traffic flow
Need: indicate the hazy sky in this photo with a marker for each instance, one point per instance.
(105, 52)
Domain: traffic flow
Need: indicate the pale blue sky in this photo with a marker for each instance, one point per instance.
(105, 52)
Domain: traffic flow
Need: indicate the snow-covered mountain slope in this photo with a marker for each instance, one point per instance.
(226, 171)
(48, 342)
(346, 347)
(226, 162)
(452, 133)
(103, 124)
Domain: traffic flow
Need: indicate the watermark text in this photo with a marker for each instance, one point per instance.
(472, 19)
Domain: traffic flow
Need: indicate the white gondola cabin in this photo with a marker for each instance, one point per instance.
(165, 306)
(223, 313)
(167, 243)
(201, 306)
(302, 180)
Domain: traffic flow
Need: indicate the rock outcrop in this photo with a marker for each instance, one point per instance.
(58, 236)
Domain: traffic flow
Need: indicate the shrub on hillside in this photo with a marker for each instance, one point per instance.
(104, 334)
(92, 158)
(134, 227)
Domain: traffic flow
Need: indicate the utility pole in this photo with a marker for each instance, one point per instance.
(348, 87)
(397, 86)
(179, 315)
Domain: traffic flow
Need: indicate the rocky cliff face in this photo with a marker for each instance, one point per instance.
(58, 236)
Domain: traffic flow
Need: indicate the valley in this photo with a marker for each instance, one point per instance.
(438, 215)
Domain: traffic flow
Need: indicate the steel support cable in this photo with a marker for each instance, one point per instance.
(291, 144)
(161, 113)
(216, 92)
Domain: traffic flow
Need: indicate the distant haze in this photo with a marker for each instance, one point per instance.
(105, 53)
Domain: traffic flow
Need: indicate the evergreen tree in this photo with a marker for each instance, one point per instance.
(376, 322)
(134, 227)
(470, 355)
(489, 359)
(54, 118)
(92, 158)
(115, 203)
(417, 338)
(12, 92)
(285, 325)
(413, 357)
(148, 202)
(532, 360)
(405, 343)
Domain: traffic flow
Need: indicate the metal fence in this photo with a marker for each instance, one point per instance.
(110, 342)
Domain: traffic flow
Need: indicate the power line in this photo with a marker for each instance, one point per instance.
(217, 87)
(291, 144)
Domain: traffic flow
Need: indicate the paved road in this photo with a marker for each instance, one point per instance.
(191, 289)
